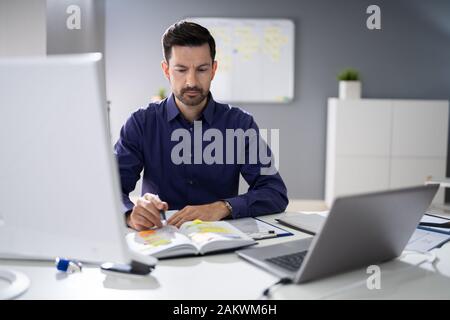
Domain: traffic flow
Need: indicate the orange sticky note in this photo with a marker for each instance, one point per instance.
(146, 233)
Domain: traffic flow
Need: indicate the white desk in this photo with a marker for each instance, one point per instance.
(225, 276)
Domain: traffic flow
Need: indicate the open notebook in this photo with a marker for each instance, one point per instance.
(192, 238)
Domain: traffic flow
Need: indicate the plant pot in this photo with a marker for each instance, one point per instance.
(349, 89)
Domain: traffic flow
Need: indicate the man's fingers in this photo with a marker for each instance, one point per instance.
(179, 216)
(175, 218)
(178, 225)
(149, 211)
(156, 201)
(156, 220)
(163, 206)
(149, 216)
(160, 205)
(137, 224)
(148, 205)
(139, 217)
(182, 219)
(139, 227)
(153, 198)
(186, 214)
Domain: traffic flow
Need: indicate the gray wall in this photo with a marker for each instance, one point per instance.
(408, 58)
(89, 38)
(22, 27)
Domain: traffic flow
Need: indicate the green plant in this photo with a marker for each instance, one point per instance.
(348, 75)
(162, 93)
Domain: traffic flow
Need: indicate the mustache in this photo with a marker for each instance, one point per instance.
(197, 89)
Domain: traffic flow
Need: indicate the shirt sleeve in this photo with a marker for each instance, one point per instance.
(267, 192)
(129, 155)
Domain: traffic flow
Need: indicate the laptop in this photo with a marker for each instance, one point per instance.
(360, 231)
(59, 186)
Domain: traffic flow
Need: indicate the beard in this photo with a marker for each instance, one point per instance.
(191, 100)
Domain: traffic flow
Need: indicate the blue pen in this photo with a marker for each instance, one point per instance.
(67, 265)
(263, 235)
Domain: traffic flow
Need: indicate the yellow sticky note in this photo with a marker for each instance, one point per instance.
(214, 230)
(159, 242)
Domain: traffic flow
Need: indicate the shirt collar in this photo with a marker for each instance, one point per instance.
(172, 109)
(208, 111)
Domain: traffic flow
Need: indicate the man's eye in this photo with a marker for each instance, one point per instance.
(181, 70)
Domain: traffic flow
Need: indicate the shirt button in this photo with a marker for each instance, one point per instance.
(190, 129)
(191, 182)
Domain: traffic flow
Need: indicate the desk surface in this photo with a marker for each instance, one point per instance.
(226, 276)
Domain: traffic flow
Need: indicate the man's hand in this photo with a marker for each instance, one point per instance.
(145, 214)
(207, 212)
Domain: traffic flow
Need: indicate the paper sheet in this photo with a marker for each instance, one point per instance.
(428, 218)
(251, 226)
(424, 240)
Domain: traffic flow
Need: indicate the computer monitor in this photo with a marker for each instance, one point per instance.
(59, 185)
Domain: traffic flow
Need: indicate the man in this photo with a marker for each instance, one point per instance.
(148, 142)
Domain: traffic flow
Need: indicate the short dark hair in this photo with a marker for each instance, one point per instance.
(185, 33)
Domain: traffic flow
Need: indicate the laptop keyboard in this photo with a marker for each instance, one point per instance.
(290, 261)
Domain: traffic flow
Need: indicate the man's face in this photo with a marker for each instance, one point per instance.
(190, 71)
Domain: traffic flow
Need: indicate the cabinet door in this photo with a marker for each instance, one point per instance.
(420, 128)
(361, 174)
(363, 127)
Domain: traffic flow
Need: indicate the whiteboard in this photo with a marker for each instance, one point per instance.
(255, 59)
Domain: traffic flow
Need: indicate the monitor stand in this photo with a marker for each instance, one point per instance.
(134, 268)
(18, 284)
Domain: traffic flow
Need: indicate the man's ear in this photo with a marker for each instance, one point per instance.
(214, 69)
(165, 68)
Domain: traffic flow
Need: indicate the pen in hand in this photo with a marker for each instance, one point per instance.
(162, 213)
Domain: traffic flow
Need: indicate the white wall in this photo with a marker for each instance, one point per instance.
(22, 27)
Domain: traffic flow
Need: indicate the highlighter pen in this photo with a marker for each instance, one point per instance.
(162, 213)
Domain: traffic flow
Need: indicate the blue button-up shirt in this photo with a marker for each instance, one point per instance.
(145, 143)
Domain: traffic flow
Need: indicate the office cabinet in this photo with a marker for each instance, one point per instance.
(381, 144)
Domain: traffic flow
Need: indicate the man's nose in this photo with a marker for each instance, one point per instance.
(191, 79)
